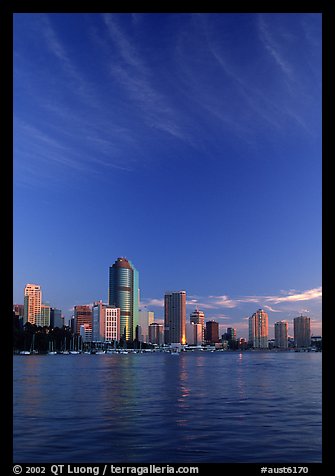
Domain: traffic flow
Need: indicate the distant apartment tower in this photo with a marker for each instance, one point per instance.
(231, 333)
(281, 334)
(145, 318)
(198, 317)
(194, 334)
(44, 318)
(175, 317)
(302, 331)
(82, 315)
(105, 322)
(212, 332)
(123, 292)
(56, 319)
(32, 303)
(156, 333)
(259, 329)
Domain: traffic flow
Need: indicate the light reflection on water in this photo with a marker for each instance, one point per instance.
(215, 407)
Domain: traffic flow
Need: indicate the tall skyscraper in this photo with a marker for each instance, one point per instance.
(212, 332)
(82, 315)
(198, 317)
(259, 329)
(302, 331)
(32, 303)
(123, 292)
(175, 317)
(281, 334)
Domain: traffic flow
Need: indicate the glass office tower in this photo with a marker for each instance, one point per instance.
(123, 292)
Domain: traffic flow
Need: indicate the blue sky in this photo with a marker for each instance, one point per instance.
(188, 143)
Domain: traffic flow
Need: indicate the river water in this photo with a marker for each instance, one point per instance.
(220, 407)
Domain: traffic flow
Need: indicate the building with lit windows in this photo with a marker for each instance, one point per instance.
(123, 292)
(175, 317)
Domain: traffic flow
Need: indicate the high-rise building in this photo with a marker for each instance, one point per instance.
(105, 322)
(231, 333)
(56, 319)
(198, 317)
(281, 334)
(156, 333)
(82, 315)
(123, 292)
(302, 331)
(112, 323)
(194, 334)
(212, 332)
(44, 318)
(32, 303)
(259, 329)
(145, 318)
(175, 317)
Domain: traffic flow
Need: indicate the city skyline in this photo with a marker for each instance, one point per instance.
(193, 314)
(180, 143)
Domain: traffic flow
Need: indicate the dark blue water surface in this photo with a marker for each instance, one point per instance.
(156, 408)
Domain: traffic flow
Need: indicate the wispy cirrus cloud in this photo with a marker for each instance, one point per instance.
(224, 301)
(273, 47)
(132, 72)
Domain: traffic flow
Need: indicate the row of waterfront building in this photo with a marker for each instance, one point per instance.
(121, 319)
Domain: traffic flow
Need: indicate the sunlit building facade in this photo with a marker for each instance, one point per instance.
(82, 315)
(175, 317)
(259, 329)
(123, 292)
(32, 303)
(198, 317)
